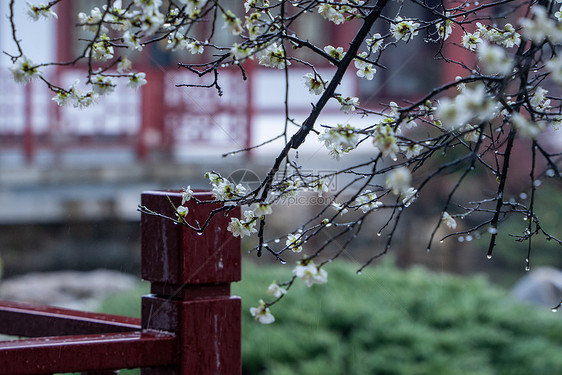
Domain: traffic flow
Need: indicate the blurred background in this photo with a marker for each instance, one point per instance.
(70, 183)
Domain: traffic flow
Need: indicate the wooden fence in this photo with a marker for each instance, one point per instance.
(190, 323)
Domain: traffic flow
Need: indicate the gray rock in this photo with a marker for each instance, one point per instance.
(542, 287)
(69, 289)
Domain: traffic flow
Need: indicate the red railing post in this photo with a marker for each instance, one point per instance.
(190, 277)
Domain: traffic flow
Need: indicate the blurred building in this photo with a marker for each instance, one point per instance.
(61, 165)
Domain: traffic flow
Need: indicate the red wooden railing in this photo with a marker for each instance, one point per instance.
(190, 323)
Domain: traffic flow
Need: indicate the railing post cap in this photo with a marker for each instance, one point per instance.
(175, 254)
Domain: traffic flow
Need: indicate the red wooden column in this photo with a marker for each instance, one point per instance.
(190, 277)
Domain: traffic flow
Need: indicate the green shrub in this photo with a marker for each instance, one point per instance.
(387, 321)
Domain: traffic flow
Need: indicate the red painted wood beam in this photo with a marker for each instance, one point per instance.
(20, 319)
(84, 353)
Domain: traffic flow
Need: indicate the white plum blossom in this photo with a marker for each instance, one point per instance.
(409, 196)
(364, 69)
(263, 209)
(148, 4)
(195, 47)
(314, 83)
(384, 140)
(445, 28)
(477, 103)
(471, 41)
(540, 27)
(151, 20)
(321, 187)
(262, 313)
(348, 104)
(248, 4)
(294, 242)
(24, 70)
(494, 59)
(65, 97)
(275, 290)
(194, 4)
(85, 100)
(403, 29)
(336, 53)
(232, 23)
(469, 104)
(117, 17)
(193, 7)
(175, 40)
(253, 25)
(91, 22)
(398, 180)
(472, 133)
(124, 65)
(339, 207)
(374, 43)
(186, 195)
(510, 37)
(290, 186)
(102, 85)
(225, 190)
(484, 31)
(243, 227)
(524, 127)
(239, 52)
(412, 150)
(538, 100)
(62, 98)
(329, 12)
(35, 12)
(450, 115)
(182, 211)
(367, 201)
(137, 80)
(102, 50)
(310, 273)
(340, 139)
(448, 220)
(273, 56)
(554, 66)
